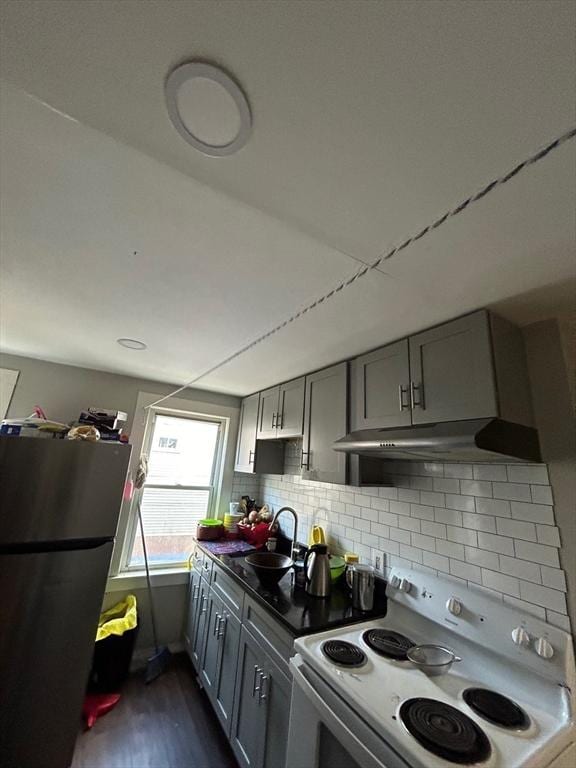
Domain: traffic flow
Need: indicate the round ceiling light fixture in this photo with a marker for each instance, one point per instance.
(208, 108)
(132, 344)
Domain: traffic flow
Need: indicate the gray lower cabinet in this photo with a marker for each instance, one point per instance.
(201, 615)
(192, 615)
(225, 685)
(452, 375)
(262, 708)
(325, 421)
(382, 384)
(210, 656)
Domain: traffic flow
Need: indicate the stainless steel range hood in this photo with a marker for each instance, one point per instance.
(477, 440)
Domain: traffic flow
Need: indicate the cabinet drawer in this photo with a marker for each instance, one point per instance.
(198, 559)
(276, 641)
(231, 593)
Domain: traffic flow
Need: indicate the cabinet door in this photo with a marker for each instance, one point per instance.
(248, 722)
(275, 696)
(452, 371)
(192, 616)
(199, 631)
(228, 666)
(290, 419)
(325, 420)
(246, 445)
(268, 414)
(383, 387)
(211, 650)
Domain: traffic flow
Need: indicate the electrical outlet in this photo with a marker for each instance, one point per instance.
(379, 561)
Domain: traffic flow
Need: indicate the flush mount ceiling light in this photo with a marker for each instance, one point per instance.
(132, 344)
(208, 108)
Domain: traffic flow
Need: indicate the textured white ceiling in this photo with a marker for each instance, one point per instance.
(371, 119)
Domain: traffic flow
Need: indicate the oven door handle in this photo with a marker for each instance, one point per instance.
(358, 740)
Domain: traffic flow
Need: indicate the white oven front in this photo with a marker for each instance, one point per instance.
(326, 733)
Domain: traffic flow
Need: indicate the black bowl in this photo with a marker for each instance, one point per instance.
(269, 567)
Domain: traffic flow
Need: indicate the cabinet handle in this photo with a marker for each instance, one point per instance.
(305, 464)
(264, 682)
(402, 390)
(274, 420)
(416, 403)
(204, 601)
(254, 686)
(279, 420)
(195, 593)
(216, 621)
(221, 631)
(251, 457)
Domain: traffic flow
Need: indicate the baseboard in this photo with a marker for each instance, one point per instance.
(141, 656)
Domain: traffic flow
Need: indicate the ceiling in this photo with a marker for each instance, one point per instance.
(370, 120)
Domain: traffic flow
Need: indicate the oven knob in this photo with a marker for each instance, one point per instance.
(521, 637)
(405, 585)
(543, 648)
(454, 606)
(394, 582)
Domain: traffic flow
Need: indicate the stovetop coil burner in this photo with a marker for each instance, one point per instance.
(343, 653)
(496, 708)
(387, 643)
(445, 731)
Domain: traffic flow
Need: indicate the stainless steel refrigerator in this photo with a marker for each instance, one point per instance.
(59, 507)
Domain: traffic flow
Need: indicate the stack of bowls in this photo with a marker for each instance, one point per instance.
(231, 524)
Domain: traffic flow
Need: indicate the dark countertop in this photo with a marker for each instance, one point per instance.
(298, 612)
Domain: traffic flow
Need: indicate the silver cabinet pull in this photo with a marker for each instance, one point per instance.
(194, 592)
(279, 420)
(221, 627)
(305, 464)
(204, 601)
(216, 622)
(414, 401)
(264, 683)
(274, 420)
(255, 688)
(402, 390)
(251, 457)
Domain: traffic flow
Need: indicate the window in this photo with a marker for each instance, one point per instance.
(184, 455)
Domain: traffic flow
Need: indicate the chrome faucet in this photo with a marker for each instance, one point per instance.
(295, 539)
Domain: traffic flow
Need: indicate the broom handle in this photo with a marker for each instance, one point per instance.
(147, 576)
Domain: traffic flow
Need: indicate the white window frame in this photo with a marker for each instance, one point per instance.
(140, 437)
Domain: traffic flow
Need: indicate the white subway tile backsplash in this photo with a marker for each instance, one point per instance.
(538, 553)
(507, 584)
(488, 527)
(547, 534)
(511, 491)
(535, 513)
(466, 571)
(500, 544)
(553, 577)
(528, 473)
(516, 529)
(463, 503)
(476, 488)
(490, 472)
(479, 522)
(446, 485)
(495, 507)
(522, 569)
(448, 516)
(458, 470)
(541, 494)
(439, 562)
(544, 596)
(450, 549)
(462, 536)
(432, 498)
(482, 558)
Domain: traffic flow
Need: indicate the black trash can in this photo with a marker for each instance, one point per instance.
(117, 631)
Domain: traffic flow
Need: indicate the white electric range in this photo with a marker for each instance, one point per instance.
(358, 703)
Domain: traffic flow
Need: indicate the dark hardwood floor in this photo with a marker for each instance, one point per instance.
(167, 724)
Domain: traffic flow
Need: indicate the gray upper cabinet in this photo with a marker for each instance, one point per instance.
(290, 418)
(246, 446)
(452, 376)
(254, 455)
(268, 413)
(325, 420)
(382, 384)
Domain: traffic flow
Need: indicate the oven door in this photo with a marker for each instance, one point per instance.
(326, 733)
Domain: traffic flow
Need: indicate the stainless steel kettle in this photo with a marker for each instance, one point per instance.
(317, 570)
